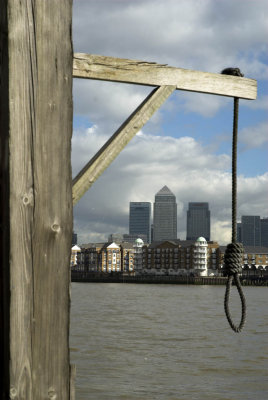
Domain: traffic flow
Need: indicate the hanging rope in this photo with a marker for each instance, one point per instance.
(234, 251)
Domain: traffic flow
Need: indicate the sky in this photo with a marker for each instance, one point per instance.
(186, 145)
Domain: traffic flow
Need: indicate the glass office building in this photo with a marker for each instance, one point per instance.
(251, 230)
(198, 221)
(140, 219)
(165, 215)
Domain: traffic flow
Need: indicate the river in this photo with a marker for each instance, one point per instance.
(167, 342)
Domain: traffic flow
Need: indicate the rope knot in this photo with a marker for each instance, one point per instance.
(232, 258)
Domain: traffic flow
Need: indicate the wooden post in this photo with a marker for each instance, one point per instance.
(36, 197)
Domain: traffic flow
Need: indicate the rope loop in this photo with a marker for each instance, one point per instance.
(235, 328)
(232, 258)
(232, 266)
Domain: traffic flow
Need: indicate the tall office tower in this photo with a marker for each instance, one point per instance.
(165, 215)
(251, 230)
(140, 219)
(74, 238)
(264, 232)
(239, 232)
(198, 221)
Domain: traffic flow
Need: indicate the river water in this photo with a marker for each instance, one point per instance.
(167, 342)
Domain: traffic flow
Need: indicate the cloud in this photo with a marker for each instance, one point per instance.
(205, 34)
(189, 34)
(147, 164)
(106, 102)
(261, 103)
(202, 104)
(254, 136)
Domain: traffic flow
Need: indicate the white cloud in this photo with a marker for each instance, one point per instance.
(188, 34)
(106, 102)
(202, 104)
(254, 136)
(261, 103)
(205, 34)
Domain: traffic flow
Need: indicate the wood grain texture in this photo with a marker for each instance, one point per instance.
(119, 140)
(39, 131)
(4, 205)
(153, 74)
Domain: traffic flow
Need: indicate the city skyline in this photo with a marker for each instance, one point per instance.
(198, 227)
(187, 143)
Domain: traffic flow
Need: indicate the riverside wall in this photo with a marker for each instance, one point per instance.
(82, 276)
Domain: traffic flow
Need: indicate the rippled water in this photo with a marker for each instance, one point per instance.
(167, 342)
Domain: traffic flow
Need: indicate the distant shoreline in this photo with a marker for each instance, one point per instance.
(81, 276)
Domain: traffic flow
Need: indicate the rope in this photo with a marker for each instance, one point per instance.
(232, 259)
(234, 251)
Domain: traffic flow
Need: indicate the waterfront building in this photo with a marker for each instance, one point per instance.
(110, 260)
(181, 257)
(165, 215)
(140, 220)
(198, 221)
(169, 257)
(127, 257)
(138, 246)
(74, 255)
(200, 264)
(106, 257)
(89, 259)
(254, 261)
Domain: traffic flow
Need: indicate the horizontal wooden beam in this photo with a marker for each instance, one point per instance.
(153, 74)
(119, 140)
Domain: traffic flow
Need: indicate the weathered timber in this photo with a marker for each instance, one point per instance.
(36, 129)
(110, 150)
(153, 74)
(4, 207)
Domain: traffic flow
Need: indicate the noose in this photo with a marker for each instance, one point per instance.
(234, 250)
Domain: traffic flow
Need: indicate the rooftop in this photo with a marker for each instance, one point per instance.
(164, 191)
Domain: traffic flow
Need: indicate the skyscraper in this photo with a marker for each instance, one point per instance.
(264, 232)
(239, 232)
(140, 219)
(165, 215)
(251, 230)
(198, 221)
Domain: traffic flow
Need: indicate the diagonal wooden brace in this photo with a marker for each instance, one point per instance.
(110, 150)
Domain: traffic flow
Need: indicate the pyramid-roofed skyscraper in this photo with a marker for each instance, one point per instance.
(165, 215)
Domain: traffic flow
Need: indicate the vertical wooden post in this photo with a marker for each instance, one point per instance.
(36, 197)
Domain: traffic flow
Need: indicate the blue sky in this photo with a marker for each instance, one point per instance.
(187, 143)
